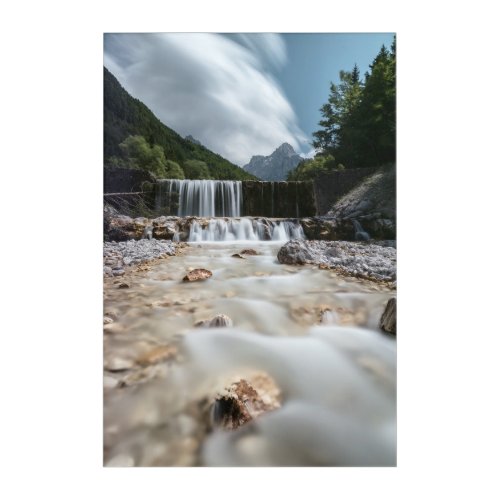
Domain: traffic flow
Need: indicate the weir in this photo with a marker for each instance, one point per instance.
(214, 198)
(202, 198)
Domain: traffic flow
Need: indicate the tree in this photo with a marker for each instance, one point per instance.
(173, 170)
(196, 169)
(358, 124)
(139, 154)
(342, 101)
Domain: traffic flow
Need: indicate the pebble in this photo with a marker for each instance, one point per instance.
(134, 252)
(118, 272)
(109, 382)
(121, 460)
(220, 320)
(118, 364)
(157, 354)
(123, 285)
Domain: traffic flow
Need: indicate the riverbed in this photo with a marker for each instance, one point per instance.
(312, 330)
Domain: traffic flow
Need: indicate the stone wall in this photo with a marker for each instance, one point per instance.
(278, 199)
(328, 188)
(125, 180)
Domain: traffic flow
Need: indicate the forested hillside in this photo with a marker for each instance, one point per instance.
(126, 117)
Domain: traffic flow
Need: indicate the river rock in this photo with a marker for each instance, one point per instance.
(220, 320)
(121, 460)
(165, 228)
(157, 355)
(249, 251)
(197, 275)
(388, 318)
(353, 258)
(117, 364)
(241, 404)
(124, 253)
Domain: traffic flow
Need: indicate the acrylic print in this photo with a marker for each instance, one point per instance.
(249, 249)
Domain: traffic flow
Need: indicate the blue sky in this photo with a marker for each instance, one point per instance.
(314, 60)
(239, 94)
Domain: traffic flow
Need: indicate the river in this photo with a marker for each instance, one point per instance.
(313, 331)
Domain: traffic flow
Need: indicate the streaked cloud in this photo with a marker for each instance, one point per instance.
(220, 89)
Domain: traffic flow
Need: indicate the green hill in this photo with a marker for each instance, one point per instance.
(125, 116)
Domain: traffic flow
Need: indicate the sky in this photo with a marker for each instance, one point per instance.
(240, 94)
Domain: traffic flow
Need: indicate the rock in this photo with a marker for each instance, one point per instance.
(388, 318)
(197, 275)
(202, 323)
(121, 460)
(249, 251)
(165, 228)
(241, 404)
(109, 382)
(107, 320)
(157, 355)
(374, 262)
(118, 272)
(118, 364)
(123, 285)
(220, 320)
(237, 255)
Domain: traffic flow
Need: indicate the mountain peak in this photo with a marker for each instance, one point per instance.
(286, 149)
(276, 166)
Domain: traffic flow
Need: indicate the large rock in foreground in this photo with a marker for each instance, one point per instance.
(388, 319)
(356, 259)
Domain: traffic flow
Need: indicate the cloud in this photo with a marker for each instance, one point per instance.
(219, 89)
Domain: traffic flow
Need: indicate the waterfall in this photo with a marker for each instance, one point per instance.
(359, 232)
(202, 198)
(245, 230)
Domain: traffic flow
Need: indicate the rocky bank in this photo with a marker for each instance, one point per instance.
(119, 255)
(372, 203)
(368, 261)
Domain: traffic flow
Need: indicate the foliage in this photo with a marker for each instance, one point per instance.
(309, 169)
(125, 116)
(359, 120)
(173, 170)
(139, 154)
(196, 169)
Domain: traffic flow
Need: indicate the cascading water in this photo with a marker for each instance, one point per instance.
(359, 232)
(203, 198)
(245, 230)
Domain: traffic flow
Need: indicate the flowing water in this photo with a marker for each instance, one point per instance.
(313, 331)
(203, 198)
(245, 229)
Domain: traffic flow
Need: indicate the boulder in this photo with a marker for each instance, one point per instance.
(197, 275)
(242, 402)
(388, 318)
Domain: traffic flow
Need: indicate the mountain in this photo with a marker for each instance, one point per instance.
(124, 115)
(275, 166)
(192, 139)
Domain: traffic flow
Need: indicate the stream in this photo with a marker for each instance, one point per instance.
(314, 332)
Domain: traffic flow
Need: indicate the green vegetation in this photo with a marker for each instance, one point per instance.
(358, 128)
(126, 117)
(196, 169)
(309, 169)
